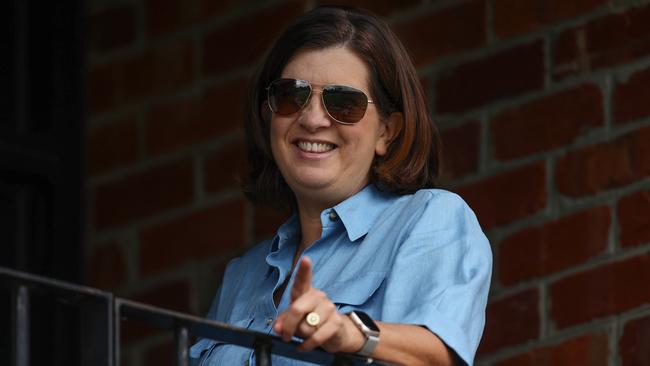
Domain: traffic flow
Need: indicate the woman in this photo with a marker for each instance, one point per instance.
(373, 261)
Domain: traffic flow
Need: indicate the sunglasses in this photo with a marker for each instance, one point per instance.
(343, 104)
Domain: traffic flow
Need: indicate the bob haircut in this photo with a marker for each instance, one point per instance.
(412, 159)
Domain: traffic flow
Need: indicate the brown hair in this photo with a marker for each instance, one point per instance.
(412, 159)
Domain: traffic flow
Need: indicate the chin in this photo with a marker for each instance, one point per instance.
(316, 185)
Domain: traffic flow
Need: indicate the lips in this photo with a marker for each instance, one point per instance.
(315, 147)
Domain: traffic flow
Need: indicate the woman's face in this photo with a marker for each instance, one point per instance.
(322, 160)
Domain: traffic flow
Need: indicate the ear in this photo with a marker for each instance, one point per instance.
(389, 129)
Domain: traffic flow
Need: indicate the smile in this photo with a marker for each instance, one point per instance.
(315, 147)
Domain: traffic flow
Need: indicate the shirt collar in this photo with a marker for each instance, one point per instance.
(359, 212)
(286, 233)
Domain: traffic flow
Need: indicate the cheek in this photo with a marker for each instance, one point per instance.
(277, 134)
(364, 139)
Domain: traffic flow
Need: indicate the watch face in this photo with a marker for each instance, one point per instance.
(367, 321)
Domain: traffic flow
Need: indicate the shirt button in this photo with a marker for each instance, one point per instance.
(269, 321)
(333, 215)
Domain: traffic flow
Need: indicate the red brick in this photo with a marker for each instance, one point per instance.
(242, 42)
(548, 122)
(509, 196)
(179, 124)
(607, 41)
(101, 89)
(380, 7)
(106, 267)
(156, 71)
(508, 73)
(635, 343)
(160, 355)
(514, 17)
(451, 30)
(112, 145)
(602, 291)
(135, 330)
(166, 16)
(604, 166)
(510, 321)
(267, 222)
(213, 9)
(460, 150)
(427, 82)
(554, 246)
(143, 194)
(590, 349)
(224, 168)
(197, 235)
(631, 98)
(634, 219)
(173, 296)
(111, 28)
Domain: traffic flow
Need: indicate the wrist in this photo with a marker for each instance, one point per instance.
(368, 328)
(356, 337)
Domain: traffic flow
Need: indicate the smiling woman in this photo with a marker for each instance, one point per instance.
(323, 160)
(376, 261)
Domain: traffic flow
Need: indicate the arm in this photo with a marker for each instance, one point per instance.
(438, 280)
(411, 345)
(398, 343)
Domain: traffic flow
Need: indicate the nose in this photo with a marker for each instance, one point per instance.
(313, 116)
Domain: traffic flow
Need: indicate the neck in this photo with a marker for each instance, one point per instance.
(309, 210)
(310, 225)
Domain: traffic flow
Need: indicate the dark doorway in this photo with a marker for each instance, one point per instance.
(41, 164)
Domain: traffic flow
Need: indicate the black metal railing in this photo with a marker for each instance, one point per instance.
(102, 313)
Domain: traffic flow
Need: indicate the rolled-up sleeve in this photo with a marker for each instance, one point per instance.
(441, 276)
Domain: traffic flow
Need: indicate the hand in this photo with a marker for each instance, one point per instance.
(335, 331)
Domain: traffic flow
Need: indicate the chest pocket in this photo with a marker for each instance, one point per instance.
(353, 293)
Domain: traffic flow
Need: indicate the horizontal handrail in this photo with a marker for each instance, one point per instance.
(98, 308)
(182, 324)
(69, 290)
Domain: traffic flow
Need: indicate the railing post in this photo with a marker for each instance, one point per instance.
(96, 326)
(262, 353)
(182, 341)
(117, 336)
(21, 326)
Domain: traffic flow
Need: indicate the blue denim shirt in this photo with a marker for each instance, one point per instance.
(417, 259)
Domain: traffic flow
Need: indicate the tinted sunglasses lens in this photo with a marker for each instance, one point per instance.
(345, 104)
(287, 96)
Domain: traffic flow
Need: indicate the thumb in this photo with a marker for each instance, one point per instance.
(302, 282)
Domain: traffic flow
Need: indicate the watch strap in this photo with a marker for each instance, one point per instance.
(372, 338)
(369, 346)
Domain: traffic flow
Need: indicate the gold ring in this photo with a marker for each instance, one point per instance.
(313, 319)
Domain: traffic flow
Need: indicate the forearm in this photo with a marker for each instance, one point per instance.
(411, 345)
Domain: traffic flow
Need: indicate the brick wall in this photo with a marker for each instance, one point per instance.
(545, 115)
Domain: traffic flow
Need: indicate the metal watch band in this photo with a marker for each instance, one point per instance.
(369, 346)
(372, 337)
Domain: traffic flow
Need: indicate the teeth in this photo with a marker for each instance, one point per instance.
(316, 147)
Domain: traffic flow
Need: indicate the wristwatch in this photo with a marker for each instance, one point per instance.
(368, 328)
